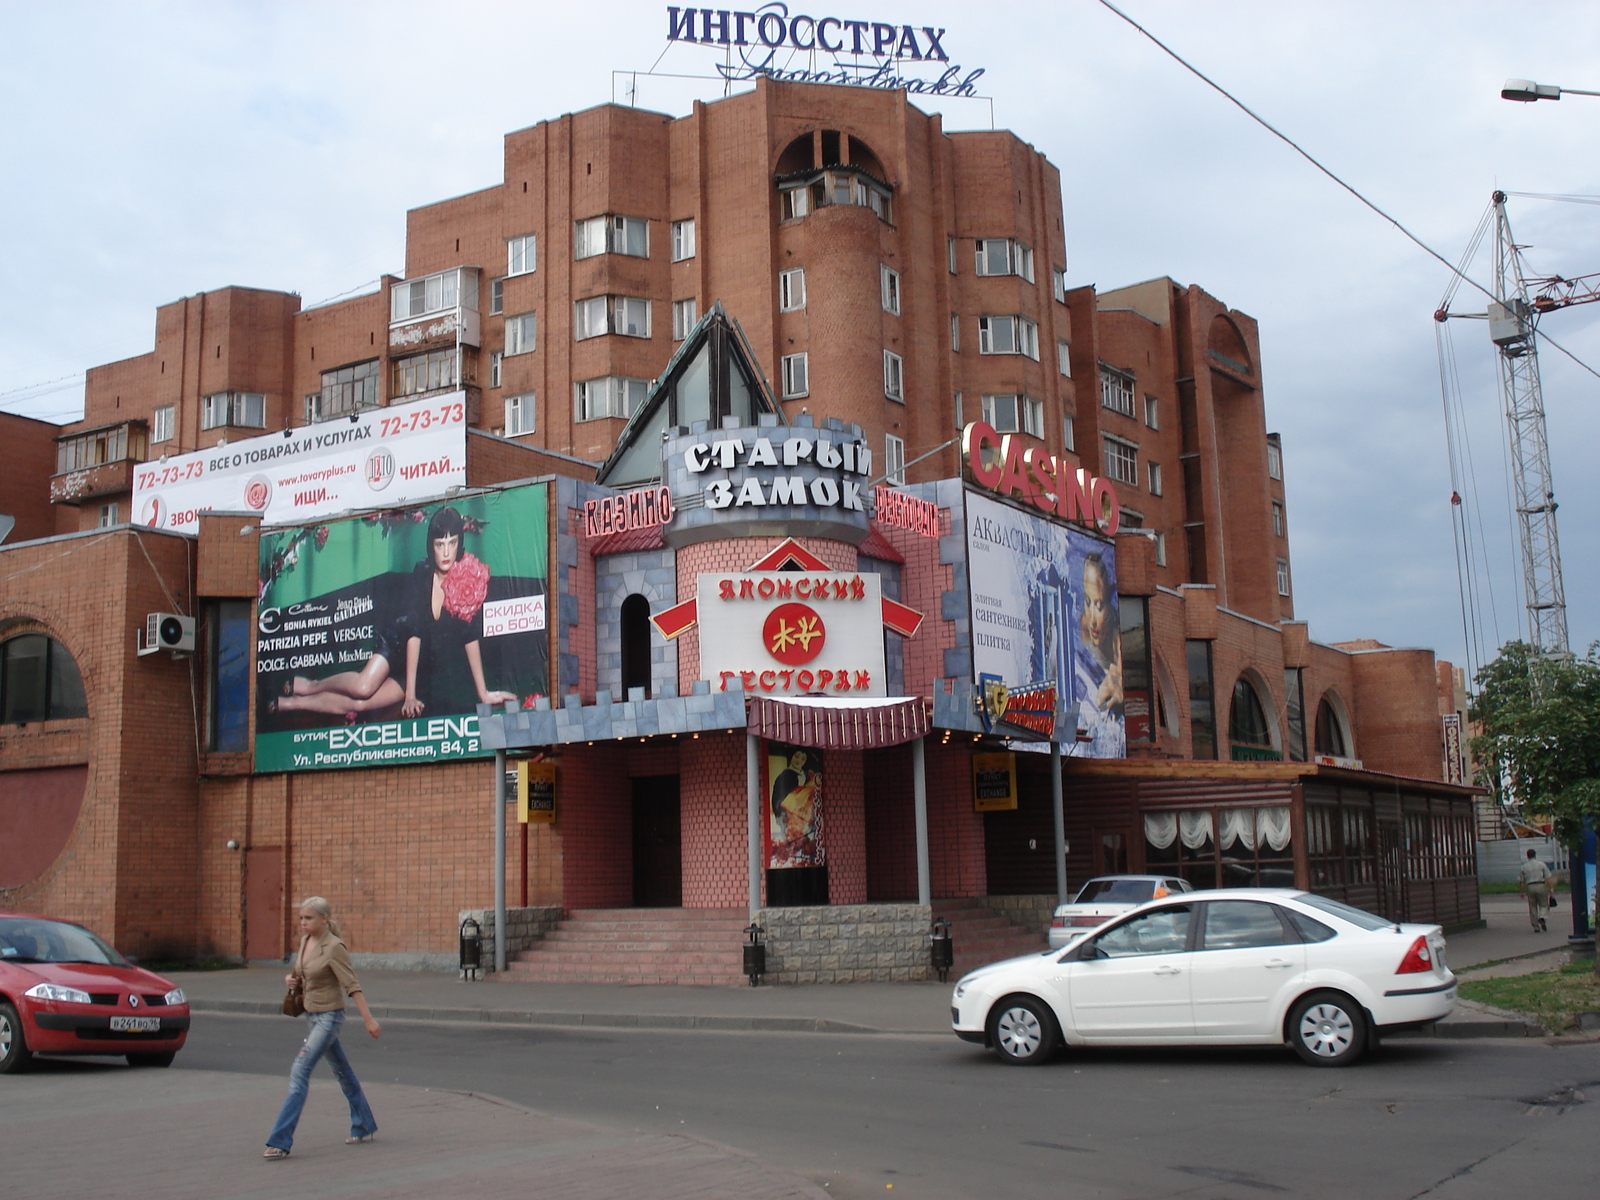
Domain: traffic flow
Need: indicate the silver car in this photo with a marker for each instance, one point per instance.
(1107, 896)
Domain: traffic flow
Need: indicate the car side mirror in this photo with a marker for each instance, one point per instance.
(132, 959)
(1089, 951)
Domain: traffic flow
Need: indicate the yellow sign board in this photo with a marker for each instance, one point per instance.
(994, 781)
(536, 792)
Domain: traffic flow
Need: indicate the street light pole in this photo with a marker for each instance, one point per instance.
(1526, 91)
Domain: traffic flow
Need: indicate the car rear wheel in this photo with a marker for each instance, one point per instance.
(1023, 1031)
(152, 1060)
(1327, 1029)
(14, 1052)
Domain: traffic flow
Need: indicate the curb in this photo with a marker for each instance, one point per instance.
(500, 1016)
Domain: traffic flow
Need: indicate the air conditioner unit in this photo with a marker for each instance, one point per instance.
(168, 631)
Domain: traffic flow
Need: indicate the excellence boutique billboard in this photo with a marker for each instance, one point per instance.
(379, 636)
(1044, 610)
(384, 456)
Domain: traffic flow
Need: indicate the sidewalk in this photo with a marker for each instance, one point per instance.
(177, 1135)
(860, 1008)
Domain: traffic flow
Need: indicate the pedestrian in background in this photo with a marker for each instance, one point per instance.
(323, 975)
(1533, 881)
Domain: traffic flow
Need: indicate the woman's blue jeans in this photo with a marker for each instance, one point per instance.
(323, 1039)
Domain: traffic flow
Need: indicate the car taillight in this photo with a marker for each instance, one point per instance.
(1419, 958)
(1088, 922)
(1058, 922)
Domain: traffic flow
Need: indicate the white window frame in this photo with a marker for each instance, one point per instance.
(683, 239)
(960, 406)
(108, 515)
(442, 291)
(522, 334)
(497, 297)
(1008, 334)
(894, 459)
(684, 314)
(889, 288)
(1064, 357)
(1153, 472)
(1283, 577)
(950, 252)
(792, 289)
(894, 376)
(1007, 403)
(796, 374)
(796, 202)
(243, 410)
(1278, 523)
(607, 396)
(955, 333)
(1069, 434)
(1121, 459)
(595, 316)
(1274, 461)
(163, 423)
(609, 234)
(1118, 390)
(522, 254)
(627, 320)
(1032, 413)
(522, 414)
(1058, 284)
(1161, 548)
(496, 358)
(1018, 257)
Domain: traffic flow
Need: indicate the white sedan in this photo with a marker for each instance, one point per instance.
(1251, 966)
(1107, 896)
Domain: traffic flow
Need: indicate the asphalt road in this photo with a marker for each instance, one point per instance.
(933, 1117)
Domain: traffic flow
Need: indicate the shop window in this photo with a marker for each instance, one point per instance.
(39, 681)
(1223, 847)
(228, 729)
(522, 334)
(163, 423)
(635, 644)
(1138, 693)
(1202, 714)
(1330, 737)
(522, 255)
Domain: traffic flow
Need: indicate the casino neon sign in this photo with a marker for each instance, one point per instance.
(1043, 480)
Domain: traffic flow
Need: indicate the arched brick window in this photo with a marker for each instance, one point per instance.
(39, 681)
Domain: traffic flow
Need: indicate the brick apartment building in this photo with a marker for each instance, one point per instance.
(820, 270)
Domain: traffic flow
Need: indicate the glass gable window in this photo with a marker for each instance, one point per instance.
(39, 681)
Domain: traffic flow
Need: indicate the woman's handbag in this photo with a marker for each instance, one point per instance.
(1553, 903)
(294, 1002)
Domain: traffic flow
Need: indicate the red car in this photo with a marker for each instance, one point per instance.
(64, 991)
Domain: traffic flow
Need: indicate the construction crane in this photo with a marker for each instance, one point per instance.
(1520, 300)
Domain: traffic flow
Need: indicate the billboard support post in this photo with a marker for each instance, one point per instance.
(753, 818)
(1059, 817)
(500, 861)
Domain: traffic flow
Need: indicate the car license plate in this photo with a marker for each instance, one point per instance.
(136, 1024)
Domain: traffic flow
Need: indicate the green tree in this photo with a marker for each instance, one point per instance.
(1540, 722)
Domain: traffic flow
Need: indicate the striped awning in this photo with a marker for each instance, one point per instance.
(839, 724)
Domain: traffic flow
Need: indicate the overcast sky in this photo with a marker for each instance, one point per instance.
(151, 151)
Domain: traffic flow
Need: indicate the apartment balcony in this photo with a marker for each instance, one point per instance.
(97, 462)
(434, 311)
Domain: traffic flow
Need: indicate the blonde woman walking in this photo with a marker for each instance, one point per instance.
(322, 973)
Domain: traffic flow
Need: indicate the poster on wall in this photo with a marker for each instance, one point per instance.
(378, 636)
(390, 456)
(794, 807)
(1044, 611)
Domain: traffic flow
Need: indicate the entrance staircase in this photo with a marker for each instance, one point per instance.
(639, 945)
(982, 935)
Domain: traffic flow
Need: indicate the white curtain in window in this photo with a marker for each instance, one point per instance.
(1194, 828)
(1160, 829)
(1274, 826)
(1238, 825)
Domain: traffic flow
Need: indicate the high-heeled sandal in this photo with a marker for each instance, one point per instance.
(275, 1153)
